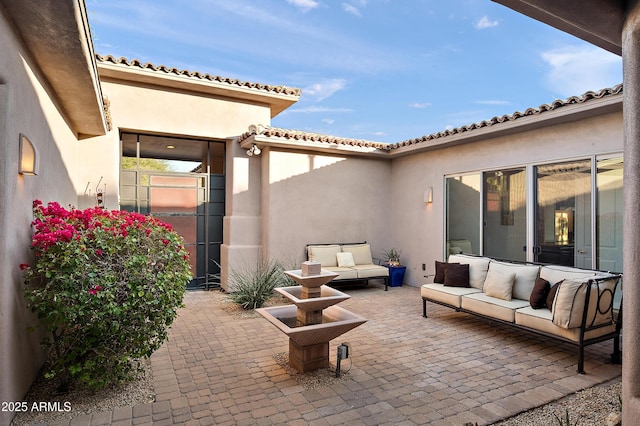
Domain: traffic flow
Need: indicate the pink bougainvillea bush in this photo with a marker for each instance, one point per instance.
(106, 285)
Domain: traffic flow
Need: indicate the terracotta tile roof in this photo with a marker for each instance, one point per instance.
(275, 132)
(315, 137)
(586, 97)
(134, 63)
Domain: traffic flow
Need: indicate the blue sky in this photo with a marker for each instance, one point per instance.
(381, 70)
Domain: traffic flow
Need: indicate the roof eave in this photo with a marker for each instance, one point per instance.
(312, 146)
(598, 22)
(566, 114)
(277, 102)
(56, 33)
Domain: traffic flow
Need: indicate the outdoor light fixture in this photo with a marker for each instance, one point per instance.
(254, 150)
(27, 163)
(428, 195)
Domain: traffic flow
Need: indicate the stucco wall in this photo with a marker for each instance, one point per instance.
(418, 227)
(146, 108)
(316, 198)
(25, 107)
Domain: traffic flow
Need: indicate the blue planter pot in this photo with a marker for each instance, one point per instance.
(396, 275)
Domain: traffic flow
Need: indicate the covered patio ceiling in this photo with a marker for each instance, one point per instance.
(596, 21)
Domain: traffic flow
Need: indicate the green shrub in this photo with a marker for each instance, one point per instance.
(252, 286)
(106, 285)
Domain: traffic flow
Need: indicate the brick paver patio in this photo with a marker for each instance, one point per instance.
(448, 369)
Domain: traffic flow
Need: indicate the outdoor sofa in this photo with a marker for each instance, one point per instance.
(352, 262)
(569, 304)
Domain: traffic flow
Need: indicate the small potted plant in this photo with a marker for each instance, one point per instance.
(396, 270)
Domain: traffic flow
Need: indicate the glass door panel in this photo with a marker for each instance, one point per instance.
(563, 214)
(609, 214)
(463, 214)
(504, 214)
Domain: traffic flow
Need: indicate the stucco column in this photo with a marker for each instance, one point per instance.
(631, 296)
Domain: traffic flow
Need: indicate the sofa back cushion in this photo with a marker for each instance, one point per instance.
(525, 277)
(478, 267)
(555, 273)
(325, 254)
(361, 253)
(569, 303)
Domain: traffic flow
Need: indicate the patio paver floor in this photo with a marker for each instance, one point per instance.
(448, 369)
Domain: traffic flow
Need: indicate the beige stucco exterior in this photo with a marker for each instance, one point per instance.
(296, 192)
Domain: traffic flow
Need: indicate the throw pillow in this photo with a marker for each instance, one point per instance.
(456, 275)
(345, 259)
(552, 295)
(538, 298)
(499, 284)
(440, 268)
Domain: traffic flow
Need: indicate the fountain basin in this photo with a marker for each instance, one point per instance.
(336, 321)
(328, 297)
(311, 281)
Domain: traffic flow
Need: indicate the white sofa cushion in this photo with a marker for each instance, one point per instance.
(361, 253)
(556, 273)
(325, 254)
(345, 259)
(569, 303)
(371, 270)
(525, 277)
(478, 267)
(492, 307)
(448, 295)
(499, 283)
(540, 319)
(343, 273)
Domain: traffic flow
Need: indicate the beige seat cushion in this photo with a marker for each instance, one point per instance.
(492, 307)
(325, 254)
(540, 319)
(343, 273)
(448, 295)
(371, 270)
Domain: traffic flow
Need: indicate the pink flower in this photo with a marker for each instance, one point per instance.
(98, 252)
(93, 291)
(165, 241)
(98, 287)
(24, 266)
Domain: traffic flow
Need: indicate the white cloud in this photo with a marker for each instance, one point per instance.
(328, 120)
(304, 5)
(578, 69)
(322, 90)
(484, 23)
(420, 105)
(349, 8)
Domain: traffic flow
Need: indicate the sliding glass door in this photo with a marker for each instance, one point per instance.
(544, 213)
(504, 214)
(563, 214)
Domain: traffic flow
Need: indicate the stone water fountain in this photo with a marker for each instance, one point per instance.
(313, 320)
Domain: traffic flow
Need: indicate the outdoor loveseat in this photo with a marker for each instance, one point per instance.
(352, 262)
(569, 304)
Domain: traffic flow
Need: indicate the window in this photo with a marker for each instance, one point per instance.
(487, 213)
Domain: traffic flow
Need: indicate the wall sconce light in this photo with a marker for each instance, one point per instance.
(428, 195)
(27, 163)
(254, 150)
